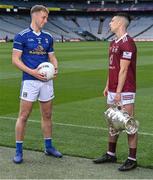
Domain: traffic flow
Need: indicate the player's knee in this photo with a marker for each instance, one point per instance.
(23, 117)
(47, 115)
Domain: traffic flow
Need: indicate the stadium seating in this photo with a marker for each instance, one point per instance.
(78, 26)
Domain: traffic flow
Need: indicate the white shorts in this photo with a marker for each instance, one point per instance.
(33, 90)
(126, 98)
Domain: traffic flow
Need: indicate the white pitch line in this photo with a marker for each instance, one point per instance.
(74, 125)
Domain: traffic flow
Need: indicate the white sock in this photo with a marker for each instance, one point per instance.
(110, 153)
(133, 159)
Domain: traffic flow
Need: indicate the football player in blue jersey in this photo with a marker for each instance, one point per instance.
(31, 47)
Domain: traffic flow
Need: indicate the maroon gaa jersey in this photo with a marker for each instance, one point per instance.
(124, 48)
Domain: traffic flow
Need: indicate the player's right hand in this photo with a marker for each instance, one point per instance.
(105, 92)
(37, 75)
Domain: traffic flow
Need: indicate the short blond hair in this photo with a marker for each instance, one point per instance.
(38, 8)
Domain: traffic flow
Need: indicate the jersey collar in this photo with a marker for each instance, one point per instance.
(34, 31)
(117, 40)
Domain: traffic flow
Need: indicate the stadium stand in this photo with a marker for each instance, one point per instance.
(78, 21)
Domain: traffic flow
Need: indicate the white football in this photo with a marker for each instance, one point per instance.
(47, 69)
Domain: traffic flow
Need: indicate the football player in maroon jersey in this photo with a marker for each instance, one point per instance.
(121, 85)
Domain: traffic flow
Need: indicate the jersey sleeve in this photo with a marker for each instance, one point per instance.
(18, 42)
(128, 50)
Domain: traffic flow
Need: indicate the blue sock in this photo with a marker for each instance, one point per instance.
(19, 146)
(48, 143)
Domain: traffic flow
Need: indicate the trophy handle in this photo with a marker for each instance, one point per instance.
(119, 106)
(113, 131)
(131, 126)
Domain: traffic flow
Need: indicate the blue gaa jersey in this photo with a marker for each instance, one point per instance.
(35, 48)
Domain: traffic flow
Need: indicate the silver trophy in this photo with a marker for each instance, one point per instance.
(119, 120)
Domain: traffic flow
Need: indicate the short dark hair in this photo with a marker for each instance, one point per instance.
(125, 15)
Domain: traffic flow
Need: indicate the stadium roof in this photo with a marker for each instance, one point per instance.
(120, 1)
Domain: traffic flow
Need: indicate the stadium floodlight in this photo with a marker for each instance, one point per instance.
(102, 2)
(117, 1)
(8, 10)
(15, 10)
(136, 1)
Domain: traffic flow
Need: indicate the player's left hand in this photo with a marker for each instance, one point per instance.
(56, 72)
(117, 99)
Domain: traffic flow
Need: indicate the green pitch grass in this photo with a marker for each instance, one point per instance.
(79, 128)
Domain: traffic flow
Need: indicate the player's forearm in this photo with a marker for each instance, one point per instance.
(107, 82)
(121, 80)
(53, 60)
(20, 65)
(55, 63)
